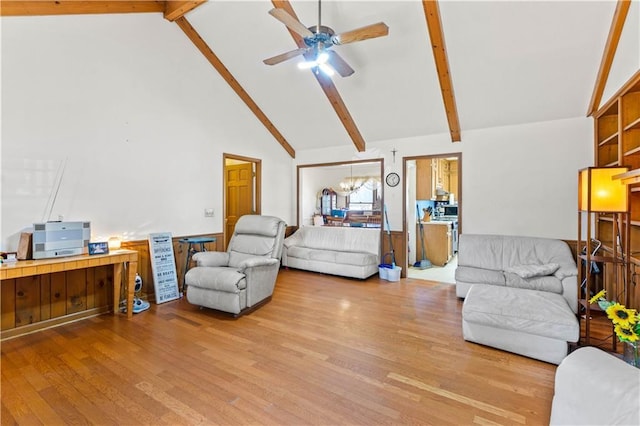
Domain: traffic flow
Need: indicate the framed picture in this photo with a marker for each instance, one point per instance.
(99, 248)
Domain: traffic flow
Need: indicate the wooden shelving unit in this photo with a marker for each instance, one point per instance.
(613, 261)
(617, 143)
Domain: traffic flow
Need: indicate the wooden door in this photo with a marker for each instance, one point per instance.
(239, 195)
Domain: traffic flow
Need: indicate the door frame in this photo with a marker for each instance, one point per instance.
(257, 187)
(405, 226)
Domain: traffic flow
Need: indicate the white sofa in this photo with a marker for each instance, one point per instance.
(520, 294)
(501, 259)
(593, 387)
(345, 251)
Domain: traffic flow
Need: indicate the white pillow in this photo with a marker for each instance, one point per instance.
(547, 283)
(528, 271)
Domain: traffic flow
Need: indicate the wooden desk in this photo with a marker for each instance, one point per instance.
(31, 268)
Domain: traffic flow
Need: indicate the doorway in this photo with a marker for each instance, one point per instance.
(433, 215)
(241, 189)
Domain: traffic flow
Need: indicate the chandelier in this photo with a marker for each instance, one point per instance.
(351, 184)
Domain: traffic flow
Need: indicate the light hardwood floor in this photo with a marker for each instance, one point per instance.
(325, 350)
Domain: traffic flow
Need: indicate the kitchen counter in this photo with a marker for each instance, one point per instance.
(438, 241)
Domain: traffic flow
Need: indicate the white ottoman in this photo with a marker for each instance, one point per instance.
(532, 323)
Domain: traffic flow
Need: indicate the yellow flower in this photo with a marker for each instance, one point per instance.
(626, 334)
(622, 316)
(599, 295)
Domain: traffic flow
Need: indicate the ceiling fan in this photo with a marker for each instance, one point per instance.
(319, 40)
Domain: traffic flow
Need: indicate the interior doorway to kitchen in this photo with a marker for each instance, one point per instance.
(433, 215)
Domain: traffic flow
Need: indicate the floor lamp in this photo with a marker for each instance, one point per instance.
(599, 193)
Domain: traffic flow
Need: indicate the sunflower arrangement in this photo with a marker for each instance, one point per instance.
(626, 322)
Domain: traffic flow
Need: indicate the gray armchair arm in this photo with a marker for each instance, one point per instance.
(212, 258)
(254, 262)
(261, 280)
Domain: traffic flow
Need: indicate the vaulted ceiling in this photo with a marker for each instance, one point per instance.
(485, 64)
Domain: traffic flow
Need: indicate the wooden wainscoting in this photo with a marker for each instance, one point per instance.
(180, 253)
(289, 230)
(34, 302)
(37, 301)
(397, 239)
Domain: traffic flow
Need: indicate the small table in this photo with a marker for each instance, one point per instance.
(191, 249)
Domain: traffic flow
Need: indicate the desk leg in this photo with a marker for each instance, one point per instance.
(186, 268)
(117, 281)
(131, 287)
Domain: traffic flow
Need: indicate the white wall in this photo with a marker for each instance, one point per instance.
(627, 59)
(142, 135)
(519, 180)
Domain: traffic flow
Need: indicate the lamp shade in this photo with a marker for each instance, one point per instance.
(599, 192)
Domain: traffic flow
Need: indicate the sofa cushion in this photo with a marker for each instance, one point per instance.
(215, 278)
(480, 251)
(526, 311)
(534, 270)
(470, 275)
(337, 238)
(547, 283)
(499, 252)
(332, 256)
(534, 251)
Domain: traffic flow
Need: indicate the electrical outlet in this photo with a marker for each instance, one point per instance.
(208, 213)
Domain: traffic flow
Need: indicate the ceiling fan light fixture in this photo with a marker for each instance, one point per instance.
(320, 62)
(319, 39)
(307, 64)
(322, 58)
(326, 69)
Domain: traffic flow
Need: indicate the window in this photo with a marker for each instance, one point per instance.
(365, 198)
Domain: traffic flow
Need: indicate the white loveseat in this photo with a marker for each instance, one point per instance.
(520, 294)
(518, 262)
(345, 251)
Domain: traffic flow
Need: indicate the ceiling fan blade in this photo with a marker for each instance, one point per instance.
(370, 31)
(339, 64)
(292, 23)
(285, 56)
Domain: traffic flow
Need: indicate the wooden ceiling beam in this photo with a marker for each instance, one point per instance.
(619, 16)
(177, 9)
(328, 87)
(204, 48)
(434, 26)
(77, 7)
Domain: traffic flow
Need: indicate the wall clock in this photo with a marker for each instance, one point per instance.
(392, 179)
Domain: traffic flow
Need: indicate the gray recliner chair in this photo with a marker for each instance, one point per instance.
(242, 278)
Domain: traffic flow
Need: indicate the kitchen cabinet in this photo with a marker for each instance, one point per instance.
(424, 181)
(453, 178)
(443, 174)
(438, 242)
(436, 173)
